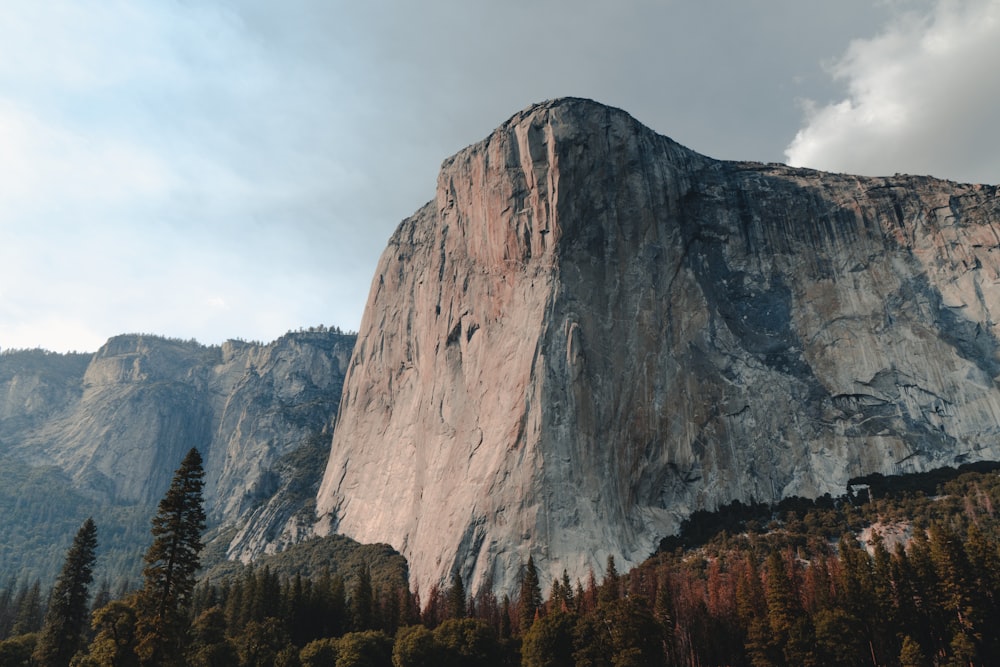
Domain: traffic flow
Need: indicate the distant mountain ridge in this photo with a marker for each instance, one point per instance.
(114, 425)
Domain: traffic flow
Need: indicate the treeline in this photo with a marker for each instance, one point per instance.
(790, 584)
(39, 512)
(150, 626)
(322, 328)
(921, 588)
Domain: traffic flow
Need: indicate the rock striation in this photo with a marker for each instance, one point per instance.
(118, 422)
(592, 331)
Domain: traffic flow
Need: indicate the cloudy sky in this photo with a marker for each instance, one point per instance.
(219, 169)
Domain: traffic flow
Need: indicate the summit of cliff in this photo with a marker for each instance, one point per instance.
(592, 331)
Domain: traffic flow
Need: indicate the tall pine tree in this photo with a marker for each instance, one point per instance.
(456, 597)
(530, 599)
(171, 563)
(67, 614)
(363, 601)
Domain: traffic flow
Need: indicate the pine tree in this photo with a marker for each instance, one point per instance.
(7, 610)
(567, 591)
(209, 645)
(505, 618)
(886, 628)
(29, 610)
(752, 611)
(954, 593)
(911, 655)
(610, 587)
(102, 596)
(171, 563)
(67, 613)
(456, 597)
(530, 600)
(363, 601)
(549, 642)
(782, 611)
(663, 612)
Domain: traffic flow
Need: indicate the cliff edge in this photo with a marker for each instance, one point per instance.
(593, 331)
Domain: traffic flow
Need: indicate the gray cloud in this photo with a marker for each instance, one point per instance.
(922, 98)
(219, 169)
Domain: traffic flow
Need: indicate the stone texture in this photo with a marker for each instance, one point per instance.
(593, 331)
(120, 421)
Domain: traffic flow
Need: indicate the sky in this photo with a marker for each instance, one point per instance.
(216, 169)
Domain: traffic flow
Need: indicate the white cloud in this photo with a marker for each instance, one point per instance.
(158, 155)
(149, 149)
(42, 161)
(923, 97)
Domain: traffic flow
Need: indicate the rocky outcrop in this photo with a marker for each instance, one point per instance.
(593, 331)
(118, 423)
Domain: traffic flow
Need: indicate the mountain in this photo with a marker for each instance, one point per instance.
(593, 331)
(102, 435)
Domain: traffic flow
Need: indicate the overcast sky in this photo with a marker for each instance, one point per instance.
(219, 169)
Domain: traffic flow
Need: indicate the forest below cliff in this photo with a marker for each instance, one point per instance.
(900, 571)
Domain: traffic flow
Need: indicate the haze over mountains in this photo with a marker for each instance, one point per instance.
(588, 333)
(111, 428)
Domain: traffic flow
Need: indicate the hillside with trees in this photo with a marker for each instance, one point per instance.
(899, 571)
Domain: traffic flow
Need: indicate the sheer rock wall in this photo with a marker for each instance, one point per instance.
(118, 422)
(593, 331)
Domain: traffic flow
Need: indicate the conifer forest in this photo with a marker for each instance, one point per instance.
(900, 571)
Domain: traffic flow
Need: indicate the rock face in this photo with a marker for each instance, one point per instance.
(593, 331)
(119, 422)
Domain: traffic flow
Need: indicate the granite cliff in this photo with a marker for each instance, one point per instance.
(592, 331)
(114, 426)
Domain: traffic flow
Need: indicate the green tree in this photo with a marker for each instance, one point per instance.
(319, 653)
(984, 561)
(791, 632)
(621, 633)
(610, 589)
(67, 614)
(114, 644)
(839, 638)
(954, 575)
(456, 597)
(171, 563)
(549, 642)
(922, 581)
(663, 612)
(467, 642)
(371, 648)
(363, 601)
(209, 645)
(415, 646)
(17, 651)
(911, 655)
(962, 650)
(530, 600)
(261, 642)
(504, 631)
(752, 612)
(29, 610)
(885, 622)
(7, 607)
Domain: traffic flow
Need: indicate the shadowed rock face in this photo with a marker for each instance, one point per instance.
(593, 331)
(119, 422)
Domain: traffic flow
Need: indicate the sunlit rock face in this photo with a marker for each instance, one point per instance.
(593, 331)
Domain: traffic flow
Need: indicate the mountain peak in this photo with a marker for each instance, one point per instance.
(593, 331)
